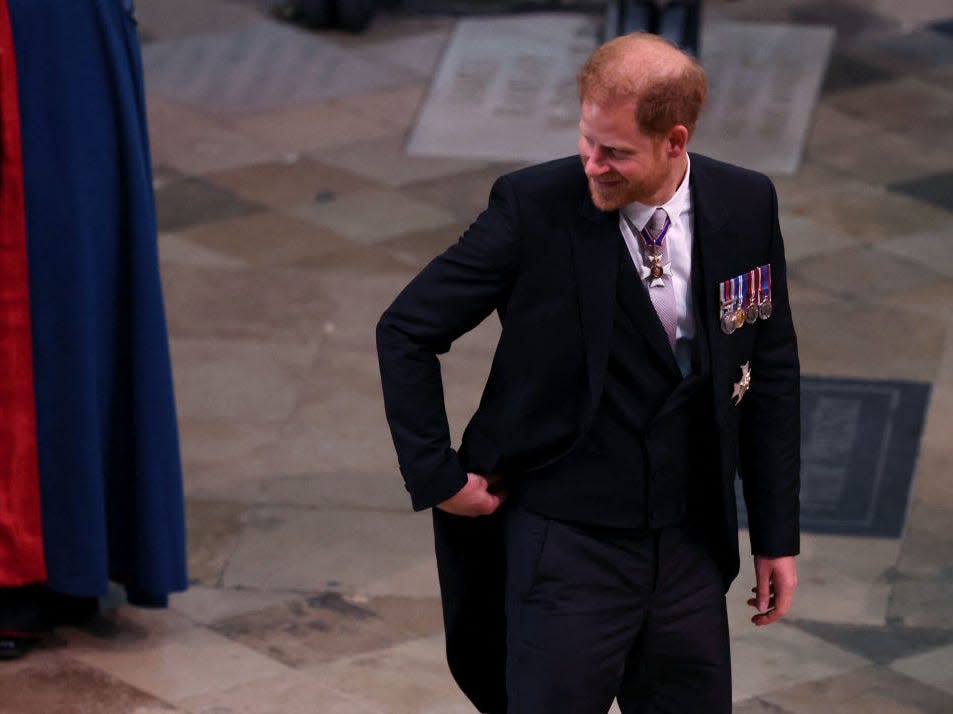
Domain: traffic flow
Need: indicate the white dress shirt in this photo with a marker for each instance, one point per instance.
(679, 241)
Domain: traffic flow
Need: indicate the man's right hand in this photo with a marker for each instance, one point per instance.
(481, 496)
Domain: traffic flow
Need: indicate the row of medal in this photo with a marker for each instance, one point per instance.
(745, 299)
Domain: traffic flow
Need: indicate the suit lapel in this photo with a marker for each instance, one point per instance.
(711, 252)
(595, 256)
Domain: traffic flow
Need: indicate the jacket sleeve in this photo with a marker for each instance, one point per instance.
(770, 436)
(452, 295)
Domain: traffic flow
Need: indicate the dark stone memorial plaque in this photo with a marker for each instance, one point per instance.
(859, 445)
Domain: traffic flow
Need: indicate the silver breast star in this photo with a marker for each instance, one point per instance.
(742, 386)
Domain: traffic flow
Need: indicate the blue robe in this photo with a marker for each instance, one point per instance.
(110, 471)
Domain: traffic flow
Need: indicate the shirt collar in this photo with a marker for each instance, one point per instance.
(639, 213)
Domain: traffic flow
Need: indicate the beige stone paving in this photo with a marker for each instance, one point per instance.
(314, 586)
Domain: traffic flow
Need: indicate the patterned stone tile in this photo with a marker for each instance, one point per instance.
(218, 454)
(191, 200)
(807, 242)
(245, 380)
(296, 130)
(419, 248)
(929, 250)
(385, 162)
(286, 183)
(57, 685)
(267, 240)
(898, 158)
(206, 605)
(373, 215)
(213, 529)
(287, 693)
(845, 339)
(244, 303)
(174, 666)
(168, 19)
(936, 189)
(931, 667)
(176, 250)
(844, 579)
(264, 66)
(312, 631)
(378, 490)
(323, 549)
(868, 213)
(849, 19)
(881, 645)
(845, 72)
(465, 196)
(765, 659)
(863, 274)
(923, 602)
(395, 109)
(909, 51)
(191, 141)
(863, 691)
(757, 706)
(410, 678)
(907, 105)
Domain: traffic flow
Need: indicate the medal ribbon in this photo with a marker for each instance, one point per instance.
(651, 242)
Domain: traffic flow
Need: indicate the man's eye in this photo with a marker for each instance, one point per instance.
(617, 153)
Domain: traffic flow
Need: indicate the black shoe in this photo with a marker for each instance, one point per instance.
(16, 647)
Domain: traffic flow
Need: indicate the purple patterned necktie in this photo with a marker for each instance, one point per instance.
(661, 290)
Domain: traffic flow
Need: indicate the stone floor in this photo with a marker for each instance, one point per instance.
(290, 218)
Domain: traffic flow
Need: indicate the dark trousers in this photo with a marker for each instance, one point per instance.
(594, 614)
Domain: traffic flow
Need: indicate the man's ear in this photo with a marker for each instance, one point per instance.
(676, 140)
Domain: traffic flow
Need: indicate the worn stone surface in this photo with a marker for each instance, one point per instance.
(292, 216)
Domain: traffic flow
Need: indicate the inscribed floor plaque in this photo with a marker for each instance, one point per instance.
(859, 446)
(506, 90)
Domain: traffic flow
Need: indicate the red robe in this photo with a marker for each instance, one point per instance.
(21, 537)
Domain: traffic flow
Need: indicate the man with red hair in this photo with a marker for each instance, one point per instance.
(586, 528)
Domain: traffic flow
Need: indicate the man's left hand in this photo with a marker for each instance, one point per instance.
(776, 582)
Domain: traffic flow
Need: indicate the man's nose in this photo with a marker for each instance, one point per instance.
(595, 162)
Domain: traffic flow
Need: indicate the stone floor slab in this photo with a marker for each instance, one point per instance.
(169, 19)
(313, 630)
(264, 66)
(931, 667)
(242, 304)
(863, 691)
(212, 378)
(58, 685)
(206, 605)
(195, 143)
(411, 678)
(175, 667)
(325, 549)
(288, 693)
(373, 215)
(188, 201)
(764, 81)
(850, 339)
(780, 656)
(879, 644)
(266, 240)
(929, 250)
(178, 250)
(935, 189)
(386, 162)
(285, 183)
